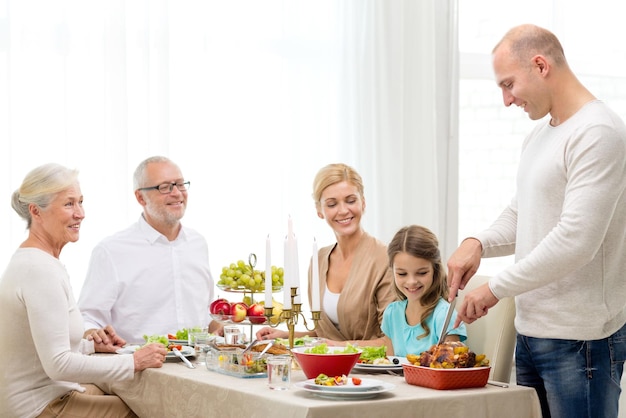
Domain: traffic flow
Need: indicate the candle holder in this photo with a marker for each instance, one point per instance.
(291, 317)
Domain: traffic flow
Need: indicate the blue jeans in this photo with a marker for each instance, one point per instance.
(573, 378)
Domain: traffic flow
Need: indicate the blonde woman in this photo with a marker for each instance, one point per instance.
(356, 283)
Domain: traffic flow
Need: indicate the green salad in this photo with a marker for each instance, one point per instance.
(156, 339)
(323, 349)
(369, 354)
(183, 334)
(297, 341)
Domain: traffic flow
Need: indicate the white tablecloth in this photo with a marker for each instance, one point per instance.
(177, 391)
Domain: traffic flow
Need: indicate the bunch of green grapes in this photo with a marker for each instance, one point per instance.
(240, 276)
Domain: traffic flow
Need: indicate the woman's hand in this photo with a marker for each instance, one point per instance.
(151, 355)
(105, 340)
(269, 333)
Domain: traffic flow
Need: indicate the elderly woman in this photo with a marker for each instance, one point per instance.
(47, 356)
(356, 283)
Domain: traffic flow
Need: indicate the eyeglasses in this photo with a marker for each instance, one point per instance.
(166, 188)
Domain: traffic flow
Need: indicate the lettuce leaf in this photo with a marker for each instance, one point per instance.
(297, 341)
(323, 349)
(156, 339)
(369, 354)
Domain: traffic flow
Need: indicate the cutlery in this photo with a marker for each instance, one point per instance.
(183, 358)
(447, 322)
(391, 372)
(267, 347)
(449, 331)
(245, 350)
(498, 384)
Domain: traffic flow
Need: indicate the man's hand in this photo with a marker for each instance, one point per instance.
(475, 304)
(216, 328)
(462, 265)
(105, 339)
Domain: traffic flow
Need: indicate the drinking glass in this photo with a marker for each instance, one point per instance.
(279, 372)
(194, 329)
(231, 334)
(200, 343)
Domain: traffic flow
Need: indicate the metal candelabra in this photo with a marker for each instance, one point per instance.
(291, 317)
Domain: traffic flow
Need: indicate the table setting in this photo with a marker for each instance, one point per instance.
(176, 390)
(229, 377)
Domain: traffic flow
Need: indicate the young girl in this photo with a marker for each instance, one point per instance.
(413, 324)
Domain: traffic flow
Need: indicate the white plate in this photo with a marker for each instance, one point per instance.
(128, 349)
(185, 351)
(367, 385)
(368, 388)
(382, 367)
(179, 342)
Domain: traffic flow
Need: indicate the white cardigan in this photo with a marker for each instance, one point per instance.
(44, 353)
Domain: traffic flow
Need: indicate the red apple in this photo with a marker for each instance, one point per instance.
(256, 313)
(218, 302)
(238, 311)
(222, 308)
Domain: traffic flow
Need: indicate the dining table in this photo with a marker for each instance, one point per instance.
(176, 390)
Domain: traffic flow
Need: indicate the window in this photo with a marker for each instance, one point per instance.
(490, 135)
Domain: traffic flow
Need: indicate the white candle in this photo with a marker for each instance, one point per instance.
(287, 273)
(295, 267)
(315, 280)
(289, 253)
(268, 272)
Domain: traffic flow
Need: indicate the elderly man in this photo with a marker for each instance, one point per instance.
(153, 277)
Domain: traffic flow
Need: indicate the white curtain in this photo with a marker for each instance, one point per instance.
(249, 97)
(400, 72)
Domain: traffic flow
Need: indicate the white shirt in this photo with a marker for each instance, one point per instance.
(330, 303)
(143, 284)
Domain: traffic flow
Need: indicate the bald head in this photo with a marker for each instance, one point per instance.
(526, 41)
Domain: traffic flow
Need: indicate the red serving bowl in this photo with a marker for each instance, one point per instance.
(335, 363)
(459, 378)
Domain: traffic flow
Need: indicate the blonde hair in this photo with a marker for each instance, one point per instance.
(333, 174)
(40, 186)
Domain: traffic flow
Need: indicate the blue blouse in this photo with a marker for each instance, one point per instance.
(404, 336)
